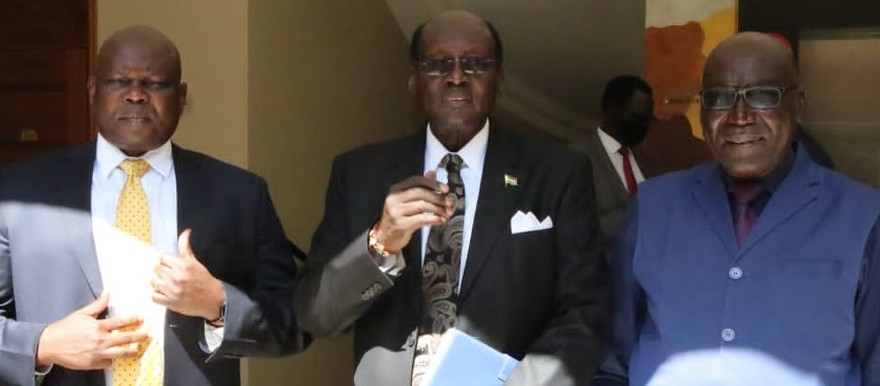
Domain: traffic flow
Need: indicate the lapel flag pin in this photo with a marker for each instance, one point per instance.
(510, 181)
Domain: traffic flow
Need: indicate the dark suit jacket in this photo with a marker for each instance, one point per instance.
(48, 266)
(538, 295)
(611, 193)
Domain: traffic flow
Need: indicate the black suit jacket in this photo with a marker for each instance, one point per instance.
(46, 233)
(537, 296)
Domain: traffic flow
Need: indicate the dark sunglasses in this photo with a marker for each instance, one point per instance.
(444, 65)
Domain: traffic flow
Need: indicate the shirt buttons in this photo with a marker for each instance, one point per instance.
(728, 334)
(735, 273)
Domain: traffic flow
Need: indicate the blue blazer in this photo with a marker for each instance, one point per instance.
(683, 285)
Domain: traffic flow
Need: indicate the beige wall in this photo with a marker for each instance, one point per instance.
(325, 76)
(280, 87)
(212, 39)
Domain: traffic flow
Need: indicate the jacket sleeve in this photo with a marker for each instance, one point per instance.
(340, 281)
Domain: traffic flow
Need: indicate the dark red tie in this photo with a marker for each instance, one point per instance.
(631, 186)
(745, 215)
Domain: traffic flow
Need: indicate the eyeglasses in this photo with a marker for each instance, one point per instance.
(757, 97)
(444, 65)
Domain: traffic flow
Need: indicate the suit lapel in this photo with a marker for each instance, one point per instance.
(608, 167)
(711, 197)
(75, 194)
(193, 203)
(797, 190)
(495, 206)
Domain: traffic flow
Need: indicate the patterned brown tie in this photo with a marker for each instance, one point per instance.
(133, 217)
(440, 273)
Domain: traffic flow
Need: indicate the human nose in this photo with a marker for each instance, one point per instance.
(457, 76)
(135, 93)
(740, 114)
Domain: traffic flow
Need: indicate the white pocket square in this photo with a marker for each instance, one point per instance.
(527, 222)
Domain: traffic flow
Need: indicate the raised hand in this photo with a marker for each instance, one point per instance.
(412, 203)
(182, 284)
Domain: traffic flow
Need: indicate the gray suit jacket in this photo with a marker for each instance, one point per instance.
(611, 193)
(538, 296)
(48, 266)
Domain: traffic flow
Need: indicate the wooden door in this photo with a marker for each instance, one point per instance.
(45, 48)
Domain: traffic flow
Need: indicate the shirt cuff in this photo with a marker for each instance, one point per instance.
(389, 265)
(213, 337)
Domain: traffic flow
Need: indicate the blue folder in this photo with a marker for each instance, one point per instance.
(462, 360)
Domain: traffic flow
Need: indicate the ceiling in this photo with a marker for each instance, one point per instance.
(558, 54)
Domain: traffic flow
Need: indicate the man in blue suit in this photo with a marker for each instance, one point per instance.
(759, 266)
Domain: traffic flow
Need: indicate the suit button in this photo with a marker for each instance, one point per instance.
(728, 335)
(735, 273)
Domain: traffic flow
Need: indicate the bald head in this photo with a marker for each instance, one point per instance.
(456, 23)
(142, 38)
(764, 54)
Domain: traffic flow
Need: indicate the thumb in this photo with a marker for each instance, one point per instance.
(96, 307)
(183, 248)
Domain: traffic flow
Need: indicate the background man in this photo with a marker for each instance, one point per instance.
(99, 224)
(760, 254)
(618, 164)
(417, 234)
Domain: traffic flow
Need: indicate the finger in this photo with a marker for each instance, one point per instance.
(170, 262)
(128, 323)
(413, 208)
(120, 352)
(126, 339)
(420, 193)
(417, 181)
(96, 307)
(441, 187)
(183, 246)
(162, 299)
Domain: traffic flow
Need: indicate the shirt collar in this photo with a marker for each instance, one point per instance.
(611, 145)
(472, 153)
(108, 157)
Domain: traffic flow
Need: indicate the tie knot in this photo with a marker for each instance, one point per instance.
(623, 151)
(452, 163)
(134, 167)
(744, 192)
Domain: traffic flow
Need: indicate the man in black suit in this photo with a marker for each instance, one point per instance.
(463, 225)
(181, 310)
(619, 163)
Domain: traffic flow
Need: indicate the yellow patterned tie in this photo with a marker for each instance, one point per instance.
(133, 217)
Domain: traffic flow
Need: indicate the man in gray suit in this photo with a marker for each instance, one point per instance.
(222, 290)
(619, 165)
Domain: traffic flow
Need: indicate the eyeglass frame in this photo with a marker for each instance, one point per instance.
(459, 61)
(740, 93)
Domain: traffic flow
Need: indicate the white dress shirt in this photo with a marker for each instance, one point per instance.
(125, 264)
(611, 147)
